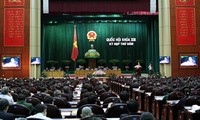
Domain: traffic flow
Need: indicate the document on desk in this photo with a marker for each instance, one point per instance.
(65, 113)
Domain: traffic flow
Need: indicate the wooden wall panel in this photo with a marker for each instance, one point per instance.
(23, 51)
(177, 49)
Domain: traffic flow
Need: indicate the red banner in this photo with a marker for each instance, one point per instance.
(14, 2)
(185, 2)
(14, 27)
(185, 26)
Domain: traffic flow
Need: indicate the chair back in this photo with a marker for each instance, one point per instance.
(53, 111)
(97, 110)
(60, 103)
(110, 100)
(131, 117)
(33, 100)
(192, 100)
(82, 102)
(107, 95)
(19, 110)
(40, 96)
(196, 92)
(159, 92)
(34, 119)
(176, 95)
(101, 91)
(116, 110)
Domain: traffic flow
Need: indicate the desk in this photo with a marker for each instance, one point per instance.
(158, 106)
(138, 95)
(54, 73)
(80, 119)
(71, 112)
(190, 113)
(147, 101)
(85, 72)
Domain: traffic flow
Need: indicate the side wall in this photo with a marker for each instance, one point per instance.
(23, 51)
(177, 49)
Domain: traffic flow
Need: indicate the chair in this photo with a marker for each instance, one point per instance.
(131, 117)
(116, 110)
(34, 119)
(19, 110)
(196, 92)
(176, 95)
(97, 110)
(53, 111)
(100, 92)
(61, 103)
(40, 96)
(110, 100)
(192, 100)
(106, 95)
(33, 100)
(82, 102)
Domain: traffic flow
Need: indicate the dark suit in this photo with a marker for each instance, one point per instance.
(6, 116)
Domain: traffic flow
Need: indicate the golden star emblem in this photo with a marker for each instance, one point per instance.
(75, 44)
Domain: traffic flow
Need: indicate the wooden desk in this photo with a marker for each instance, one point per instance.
(86, 72)
(191, 115)
(80, 119)
(54, 73)
(71, 112)
(158, 104)
(147, 101)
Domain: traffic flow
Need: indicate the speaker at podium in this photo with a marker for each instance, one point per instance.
(92, 55)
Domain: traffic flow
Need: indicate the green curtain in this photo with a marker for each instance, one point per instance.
(57, 41)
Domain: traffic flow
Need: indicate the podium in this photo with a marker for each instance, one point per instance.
(92, 62)
(92, 55)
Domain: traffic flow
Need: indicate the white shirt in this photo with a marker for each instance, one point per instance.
(150, 67)
(39, 116)
(9, 98)
(137, 66)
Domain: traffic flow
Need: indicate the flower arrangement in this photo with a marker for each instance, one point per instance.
(99, 73)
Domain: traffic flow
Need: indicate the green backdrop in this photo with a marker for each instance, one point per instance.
(57, 41)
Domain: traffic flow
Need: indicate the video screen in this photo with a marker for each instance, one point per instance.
(189, 60)
(164, 59)
(11, 62)
(35, 61)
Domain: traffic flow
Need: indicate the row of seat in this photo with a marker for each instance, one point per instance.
(147, 101)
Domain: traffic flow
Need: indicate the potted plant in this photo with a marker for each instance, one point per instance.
(139, 60)
(81, 62)
(102, 62)
(52, 63)
(127, 62)
(66, 64)
(44, 75)
(114, 63)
